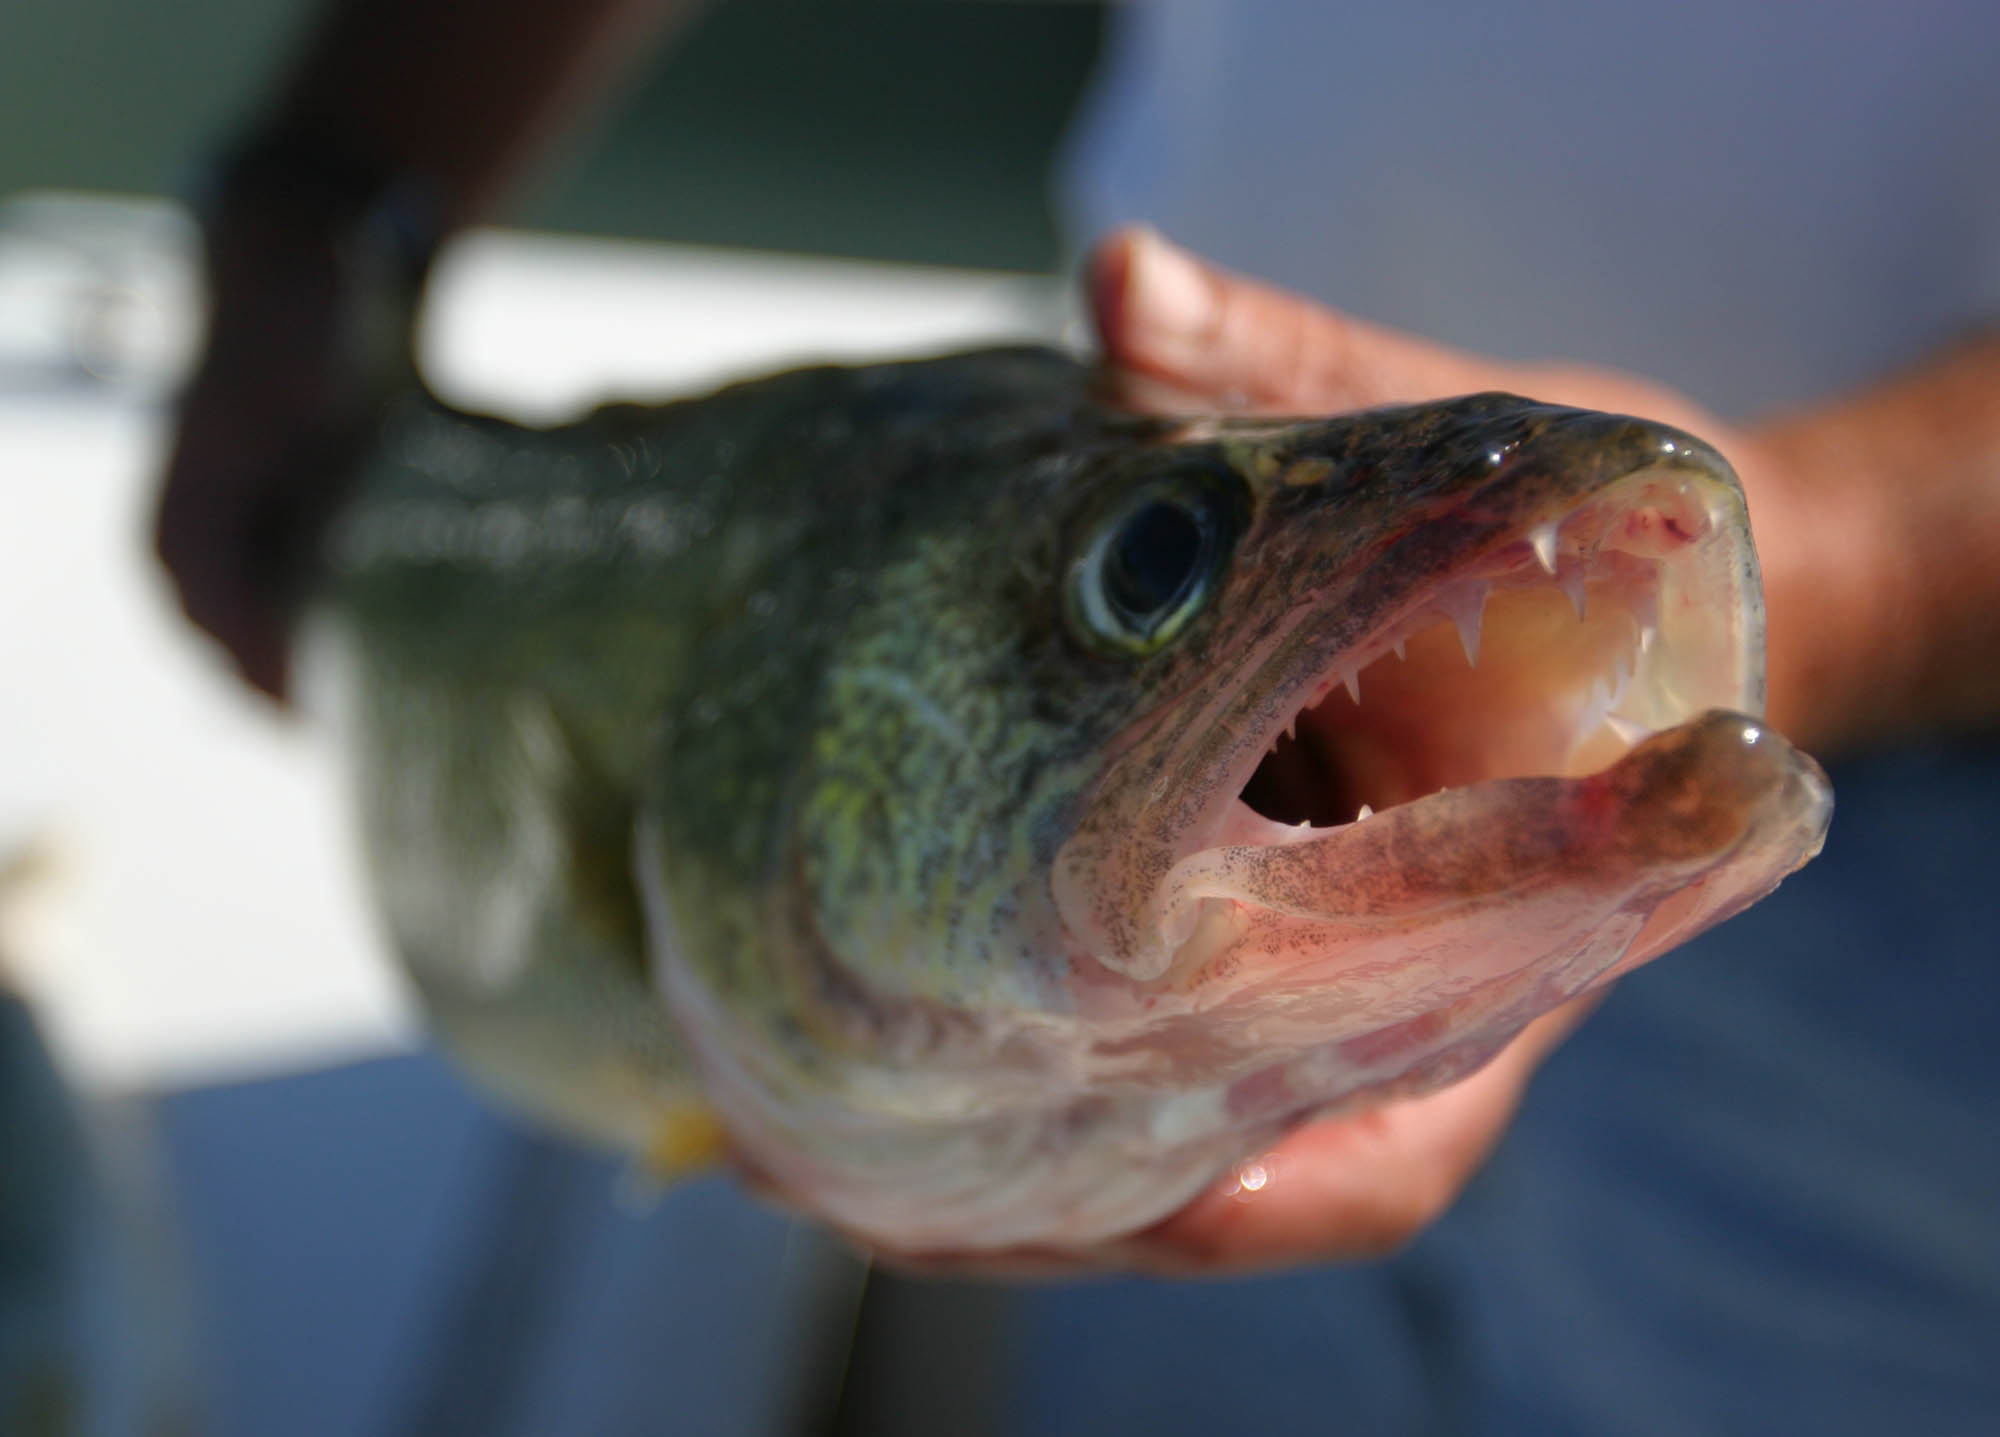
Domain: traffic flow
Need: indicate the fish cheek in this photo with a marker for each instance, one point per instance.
(943, 773)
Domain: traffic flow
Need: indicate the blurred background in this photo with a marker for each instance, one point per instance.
(265, 1207)
(315, 1228)
(275, 1211)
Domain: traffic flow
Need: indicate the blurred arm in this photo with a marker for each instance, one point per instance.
(400, 121)
(465, 95)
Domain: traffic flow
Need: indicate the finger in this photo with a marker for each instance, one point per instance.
(1166, 314)
(1342, 1188)
(1358, 1186)
(1338, 1189)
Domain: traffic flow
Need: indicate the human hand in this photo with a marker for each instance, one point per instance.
(1337, 1189)
(1362, 1185)
(307, 325)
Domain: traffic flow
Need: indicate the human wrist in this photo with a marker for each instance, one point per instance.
(308, 183)
(316, 252)
(1850, 637)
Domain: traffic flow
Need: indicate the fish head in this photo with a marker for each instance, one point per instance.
(1474, 730)
(1175, 786)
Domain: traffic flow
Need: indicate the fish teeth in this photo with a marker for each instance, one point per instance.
(1464, 607)
(1542, 539)
(1350, 680)
(1572, 586)
(1364, 812)
(1646, 610)
(1401, 651)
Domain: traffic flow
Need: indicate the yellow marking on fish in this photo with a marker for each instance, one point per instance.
(1305, 473)
(687, 1137)
(1253, 461)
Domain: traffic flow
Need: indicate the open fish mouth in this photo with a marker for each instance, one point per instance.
(1538, 767)
(1551, 655)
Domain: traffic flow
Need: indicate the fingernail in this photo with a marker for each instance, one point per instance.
(1169, 293)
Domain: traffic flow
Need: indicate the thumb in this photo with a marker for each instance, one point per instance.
(1167, 315)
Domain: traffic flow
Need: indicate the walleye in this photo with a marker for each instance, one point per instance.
(992, 812)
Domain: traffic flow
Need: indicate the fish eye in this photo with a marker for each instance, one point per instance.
(1150, 565)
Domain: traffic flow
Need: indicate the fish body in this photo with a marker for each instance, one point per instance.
(992, 812)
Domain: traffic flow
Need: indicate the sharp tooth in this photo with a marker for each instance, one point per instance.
(1366, 812)
(1630, 730)
(1646, 609)
(1401, 653)
(1468, 637)
(1542, 539)
(1463, 606)
(1572, 585)
(1351, 681)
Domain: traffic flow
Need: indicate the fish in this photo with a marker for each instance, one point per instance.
(987, 813)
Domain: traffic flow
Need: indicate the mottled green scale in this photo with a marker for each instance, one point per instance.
(561, 632)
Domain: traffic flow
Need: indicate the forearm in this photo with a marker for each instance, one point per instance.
(1884, 579)
(400, 121)
(462, 96)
